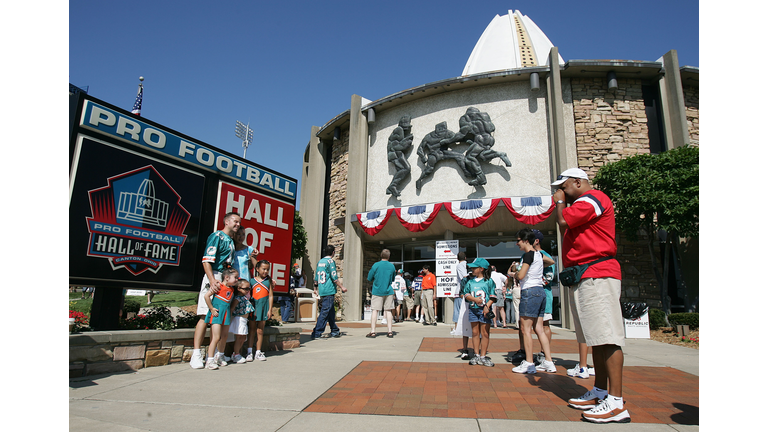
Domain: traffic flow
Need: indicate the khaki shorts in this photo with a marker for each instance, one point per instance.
(596, 308)
(408, 302)
(382, 303)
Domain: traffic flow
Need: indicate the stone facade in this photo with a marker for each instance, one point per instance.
(691, 95)
(610, 125)
(337, 195)
(95, 353)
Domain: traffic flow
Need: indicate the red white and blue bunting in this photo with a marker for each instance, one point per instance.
(469, 213)
(472, 213)
(530, 210)
(373, 222)
(418, 218)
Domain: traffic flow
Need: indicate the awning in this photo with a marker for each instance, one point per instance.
(469, 213)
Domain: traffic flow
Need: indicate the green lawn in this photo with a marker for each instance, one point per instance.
(167, 298)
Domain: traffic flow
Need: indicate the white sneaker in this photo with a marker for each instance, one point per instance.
(260, 356)
(525, 367)
(421, 320)
(237, 358)
(220, 360)
(586, 401)
(578, 371)
(196, 362)
(384, 321)
(211, 364)
(546, 366)
(249, 357)
(605, 412)
(591, 371)
(453, 332)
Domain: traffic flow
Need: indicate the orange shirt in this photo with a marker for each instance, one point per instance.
(429, 282)
(225, 292)
(259, 289)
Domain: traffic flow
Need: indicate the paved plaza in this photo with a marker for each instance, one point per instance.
(411, 382)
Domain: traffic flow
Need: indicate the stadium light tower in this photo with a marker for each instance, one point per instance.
(245, 133)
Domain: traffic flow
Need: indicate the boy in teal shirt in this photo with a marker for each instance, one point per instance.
(326, 280)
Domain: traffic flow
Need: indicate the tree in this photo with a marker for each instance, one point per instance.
(299, 248)
(658, 194)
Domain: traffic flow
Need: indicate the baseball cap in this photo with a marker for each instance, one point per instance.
(479, 262)
(295, 265)
(539, 235)
(570, 173)
(400, 271)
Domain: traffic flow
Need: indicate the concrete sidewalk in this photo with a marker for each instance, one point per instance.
(271, 395)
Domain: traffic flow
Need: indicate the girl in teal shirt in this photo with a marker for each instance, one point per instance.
(480, 294)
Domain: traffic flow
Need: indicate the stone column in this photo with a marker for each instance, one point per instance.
(353, 240)
(673, 103)
(312, 196)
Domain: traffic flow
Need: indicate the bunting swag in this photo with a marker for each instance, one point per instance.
(472, 213)
(373, 222)
(418, 218)
(530, 210)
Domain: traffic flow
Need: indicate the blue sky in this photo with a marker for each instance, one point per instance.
(288, 66)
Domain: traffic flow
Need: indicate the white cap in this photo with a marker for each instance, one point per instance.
(570, 173)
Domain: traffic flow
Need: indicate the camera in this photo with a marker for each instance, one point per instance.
(490, 315)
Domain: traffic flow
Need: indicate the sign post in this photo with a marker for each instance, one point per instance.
(445, 267)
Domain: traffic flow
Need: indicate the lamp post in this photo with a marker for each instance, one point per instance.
(245, 133)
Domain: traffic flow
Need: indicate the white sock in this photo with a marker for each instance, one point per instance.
(196, 352)
(250, 350)
(616, 402)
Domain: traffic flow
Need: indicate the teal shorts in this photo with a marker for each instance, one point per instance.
(261, 307)
(225, 316)
(548, 302)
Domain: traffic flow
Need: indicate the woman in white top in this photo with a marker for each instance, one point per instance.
(532, 303)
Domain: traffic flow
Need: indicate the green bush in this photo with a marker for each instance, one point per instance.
(131, 305)
(186, 320)
(656, 319)
(686, 318)
(157, 318)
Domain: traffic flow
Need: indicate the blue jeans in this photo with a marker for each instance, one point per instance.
(327, 315)
(509, 310)
(532, 302)
(286, 307)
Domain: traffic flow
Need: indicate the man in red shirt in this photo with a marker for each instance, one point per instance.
(589, 228)
(428, 285)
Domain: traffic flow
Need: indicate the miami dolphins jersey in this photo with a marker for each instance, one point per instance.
(219, 250)
(325, 276)
(483, 288)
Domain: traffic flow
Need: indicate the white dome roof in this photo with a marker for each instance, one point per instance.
(511, 41)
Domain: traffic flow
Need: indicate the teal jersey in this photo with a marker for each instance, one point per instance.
(219, 249)
(549, 273)
(483, 288)
(382, 275)
(326, 276)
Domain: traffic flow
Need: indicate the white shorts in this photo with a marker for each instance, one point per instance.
(239, 325)
(202, 306)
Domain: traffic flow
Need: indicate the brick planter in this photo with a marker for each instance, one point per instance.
(95, 353)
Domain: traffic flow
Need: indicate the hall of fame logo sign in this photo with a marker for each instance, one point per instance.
(138, 222)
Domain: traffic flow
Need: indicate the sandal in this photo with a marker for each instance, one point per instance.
(389, 335)
(371, 335)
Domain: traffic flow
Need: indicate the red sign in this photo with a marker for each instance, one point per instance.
(268, 225)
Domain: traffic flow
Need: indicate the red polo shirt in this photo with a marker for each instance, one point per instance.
(429, 282)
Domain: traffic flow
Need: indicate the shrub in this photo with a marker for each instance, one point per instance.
(186, 320)
(157, 318)
(686, 318)
(81, 320)
(131, 305)
(656, 319)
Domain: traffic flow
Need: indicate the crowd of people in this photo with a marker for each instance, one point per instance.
(236, 296)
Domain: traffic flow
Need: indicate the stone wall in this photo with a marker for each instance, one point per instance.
(610, 125)
(95, 353)
(337, 194)
(691, 96)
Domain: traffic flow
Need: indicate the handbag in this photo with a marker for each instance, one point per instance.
(572, 275)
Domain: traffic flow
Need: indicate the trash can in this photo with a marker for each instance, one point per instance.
(305, 309)
(636, 324)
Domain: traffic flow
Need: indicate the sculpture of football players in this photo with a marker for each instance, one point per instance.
(432, 150)
(400, 140)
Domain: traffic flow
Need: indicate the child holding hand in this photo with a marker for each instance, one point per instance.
(241, 308)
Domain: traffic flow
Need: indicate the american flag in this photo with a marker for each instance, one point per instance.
(137, 105)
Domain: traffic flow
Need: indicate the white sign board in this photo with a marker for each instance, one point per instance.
(445, 267)
(638, 328)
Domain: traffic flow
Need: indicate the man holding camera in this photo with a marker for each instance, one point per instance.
(589, 228)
